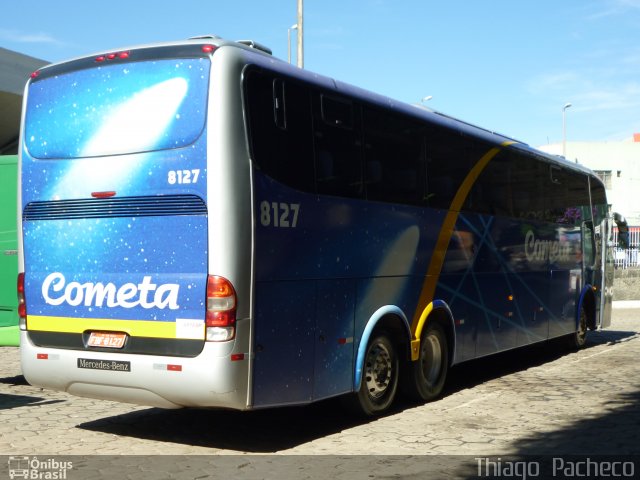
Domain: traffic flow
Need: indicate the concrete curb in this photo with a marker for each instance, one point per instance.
(626, 304)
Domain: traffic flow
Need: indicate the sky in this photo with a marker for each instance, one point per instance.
(507, 65)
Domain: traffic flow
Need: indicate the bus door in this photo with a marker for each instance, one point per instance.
(607, 248)
(590, 268)
(604, 243)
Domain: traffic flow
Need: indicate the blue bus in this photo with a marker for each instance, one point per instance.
(203, 225)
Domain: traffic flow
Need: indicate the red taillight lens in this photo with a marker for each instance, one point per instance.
(22, 303)
(221, 309)
(108, 194)
(221, 319)
(208, 48)
(113, 56)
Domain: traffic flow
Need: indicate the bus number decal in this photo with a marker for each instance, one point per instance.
(183, 177)
(279, 214)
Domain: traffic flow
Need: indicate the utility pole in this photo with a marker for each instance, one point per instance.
(564, 130)
(300, 35)
(292, 27)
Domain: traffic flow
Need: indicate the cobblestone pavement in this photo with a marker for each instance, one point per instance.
(540, 400)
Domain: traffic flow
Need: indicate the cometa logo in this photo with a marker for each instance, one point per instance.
(538, 250)
(145, 294)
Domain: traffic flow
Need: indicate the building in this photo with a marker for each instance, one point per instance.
(15, 69)
(617, 164)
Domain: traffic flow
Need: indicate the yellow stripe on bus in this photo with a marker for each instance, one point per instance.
(135, 328)
(442, 244)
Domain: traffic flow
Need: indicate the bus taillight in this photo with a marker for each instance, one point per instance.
(112, 56)
(221, 309)
(22, 303)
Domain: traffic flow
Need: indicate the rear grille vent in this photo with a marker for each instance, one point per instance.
(165, 205)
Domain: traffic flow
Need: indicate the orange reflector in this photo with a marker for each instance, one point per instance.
(174, 368)
(103, 194)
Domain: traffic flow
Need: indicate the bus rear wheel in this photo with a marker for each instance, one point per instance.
(578, 339)
(379, 377)
(427, 375)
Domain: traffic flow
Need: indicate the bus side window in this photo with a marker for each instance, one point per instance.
(567, 197)
(598, 200)
(588, 244)
(493, 191)
(394, 158)
(482, 197)
(529, 185)
(280, 129)
(337, 147)
(447, 166)
(578, 197)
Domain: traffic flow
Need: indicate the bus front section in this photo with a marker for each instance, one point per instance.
(117, 299)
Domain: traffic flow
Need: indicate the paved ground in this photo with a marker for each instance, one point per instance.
(537, 401)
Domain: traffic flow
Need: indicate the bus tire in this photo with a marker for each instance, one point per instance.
(427, 375)
(578, 339)
(380, 374)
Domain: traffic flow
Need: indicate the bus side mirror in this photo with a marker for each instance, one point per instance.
(623, 230)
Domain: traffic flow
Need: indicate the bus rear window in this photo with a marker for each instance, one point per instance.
(117, 109)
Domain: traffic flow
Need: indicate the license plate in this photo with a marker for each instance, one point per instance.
(107, 339)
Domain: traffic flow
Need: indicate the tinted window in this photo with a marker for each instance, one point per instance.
(528, 180)
(322, 142)
(394, 158)
(493, 191)
(448, 163)
(599, 200)
(280, 129)
(481, 198)
(337, 147)
(566, 196)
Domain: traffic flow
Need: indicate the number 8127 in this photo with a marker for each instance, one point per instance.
(279, 214)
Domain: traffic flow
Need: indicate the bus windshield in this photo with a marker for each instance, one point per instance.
(118, 109)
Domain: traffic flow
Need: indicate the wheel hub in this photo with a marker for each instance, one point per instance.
(378, 371)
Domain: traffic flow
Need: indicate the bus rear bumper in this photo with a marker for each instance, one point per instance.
(212, 379)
